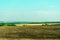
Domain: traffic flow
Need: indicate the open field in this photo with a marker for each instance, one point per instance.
(30, 32)
(25, 39)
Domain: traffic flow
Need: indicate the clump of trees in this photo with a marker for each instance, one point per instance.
(11, 25)
(7, 24)
(1, 24)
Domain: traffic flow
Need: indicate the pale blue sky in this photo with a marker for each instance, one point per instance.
(30, 10)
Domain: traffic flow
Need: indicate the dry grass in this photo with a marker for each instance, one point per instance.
(25, 39)
(34, 32)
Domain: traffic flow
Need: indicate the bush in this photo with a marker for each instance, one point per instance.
(11, 25)
(1, 24)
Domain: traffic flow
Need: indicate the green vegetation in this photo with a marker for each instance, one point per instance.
(13, 23)
(29, 22)
(5, 24)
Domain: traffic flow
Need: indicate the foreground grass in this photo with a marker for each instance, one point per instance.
(25, 39)
(34, 32)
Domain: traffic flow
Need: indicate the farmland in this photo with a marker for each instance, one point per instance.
(30, 32)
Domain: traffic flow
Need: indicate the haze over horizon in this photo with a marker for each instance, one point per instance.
(30, 10)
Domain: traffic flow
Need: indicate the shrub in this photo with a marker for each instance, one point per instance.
(11, 25)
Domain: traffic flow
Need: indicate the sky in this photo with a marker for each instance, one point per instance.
(30, 10)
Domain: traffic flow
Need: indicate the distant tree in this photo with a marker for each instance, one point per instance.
(1, 24)
(11, 25)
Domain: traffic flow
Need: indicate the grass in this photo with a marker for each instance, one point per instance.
(34, 32)
(25, 39)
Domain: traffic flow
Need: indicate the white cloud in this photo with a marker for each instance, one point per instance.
(41, 12)
(46, 12)
(52, 6)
